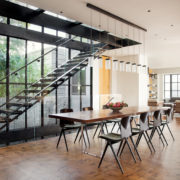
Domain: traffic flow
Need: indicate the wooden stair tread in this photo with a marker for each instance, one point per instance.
(20, 104)
(10, 111)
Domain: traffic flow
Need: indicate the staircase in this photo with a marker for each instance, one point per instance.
(24, 100)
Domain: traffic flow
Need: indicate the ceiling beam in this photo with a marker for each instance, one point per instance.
(21, 13)
(91, 6)
(22, 33)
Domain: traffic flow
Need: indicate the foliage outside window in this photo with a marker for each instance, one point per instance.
(79, 82)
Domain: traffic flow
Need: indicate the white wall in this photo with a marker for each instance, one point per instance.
(132, 86)
(95, 84)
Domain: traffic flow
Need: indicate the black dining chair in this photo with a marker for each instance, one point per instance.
(155, 127)
(141, 130)
(67, 125)
(169, 118)
(113, 138)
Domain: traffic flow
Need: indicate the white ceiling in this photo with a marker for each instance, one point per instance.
(162, 39)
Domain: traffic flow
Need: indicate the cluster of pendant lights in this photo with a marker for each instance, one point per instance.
(121, 66)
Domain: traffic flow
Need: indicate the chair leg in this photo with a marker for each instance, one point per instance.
(147, 143)
(65, 140)
(106, 127)
(113, 127)
(119, 164)
(104, 152)
(138, 139)
(119, 128)
(87, 135)
(120, 145)
(96, 131)
(77, 135)
(122, 148)
(170, 132)
(160, 137)
(135, 148)
(163, 135)
(130, 150)
(150, 141)
(59, 138)
(152, 133)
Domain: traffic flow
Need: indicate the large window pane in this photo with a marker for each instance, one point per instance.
(167, 78)
(174, 86)
(3, 19)
(17, 23)
(174, 94)
(49, 59)
(34, 27)
(167, 94)
(34, 69)
(3, 42)
(50, 31)
(167, 86)
(17, 60)
(174, 78)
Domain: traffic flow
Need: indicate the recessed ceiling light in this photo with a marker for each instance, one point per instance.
(148, 10)
(172, 25)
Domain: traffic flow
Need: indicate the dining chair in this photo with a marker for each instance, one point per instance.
(169, 118)
(67, 125)
(114, 138)
(141, 130)
(155, 126)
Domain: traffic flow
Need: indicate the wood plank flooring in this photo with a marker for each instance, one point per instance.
(40, 160)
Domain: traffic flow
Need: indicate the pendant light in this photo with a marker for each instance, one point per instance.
(115, 65)
(128, 67)
(128, 64)
(108, 63)
(139, 67)
(90, 59)
(100, 60)
(134, 67)
(145, 67)
(121, 63)
(121, 66)
(115, 61)
(108, 60)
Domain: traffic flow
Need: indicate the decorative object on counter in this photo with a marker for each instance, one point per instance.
(116, 107)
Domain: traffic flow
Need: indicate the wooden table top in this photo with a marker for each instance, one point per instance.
(104, 114)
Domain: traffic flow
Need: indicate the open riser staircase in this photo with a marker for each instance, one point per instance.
(24, 100)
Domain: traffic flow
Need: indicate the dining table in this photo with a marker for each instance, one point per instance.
(86, 117)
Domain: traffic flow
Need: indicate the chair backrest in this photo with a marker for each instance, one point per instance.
(144, 121)
(63, 122)
(87, 109)
(169, 114)
(157, 118)
(126, 129)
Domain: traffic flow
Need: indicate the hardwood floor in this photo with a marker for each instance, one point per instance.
(40, 160)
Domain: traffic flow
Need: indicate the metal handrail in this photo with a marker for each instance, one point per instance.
(53, 81)
(14, 72)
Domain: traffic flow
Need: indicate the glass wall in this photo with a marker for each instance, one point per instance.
(17, 53)
(3, 49)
